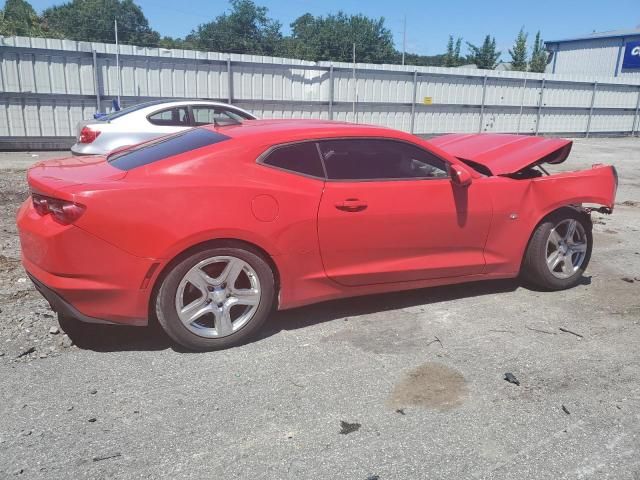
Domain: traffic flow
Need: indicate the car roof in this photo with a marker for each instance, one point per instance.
(176, 101)
(188, 101)
(144, 108)
(283, 131)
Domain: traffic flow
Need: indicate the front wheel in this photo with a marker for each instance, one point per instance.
(215, 298)
(559, 250)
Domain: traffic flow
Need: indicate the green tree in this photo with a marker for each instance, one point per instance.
(519, 52)
(245, 29)
(19, 18)
(456, 52)
(332, 38)
(422, 60)
(452, 56)
(92, 20)
(485, 56)
(170, 42)
(538, 56)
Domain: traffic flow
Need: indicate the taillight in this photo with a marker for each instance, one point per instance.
(87, 135)
(63, 211)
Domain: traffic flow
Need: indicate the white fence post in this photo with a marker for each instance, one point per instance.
(229, 81)
(634, 128)
(539, 115)
(524, 91)
(484, 94)
(331, 92)
(96, 83)
(413, 100)
(593, 99)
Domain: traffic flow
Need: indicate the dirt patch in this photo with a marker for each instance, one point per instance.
(431, 385)
(630, 203)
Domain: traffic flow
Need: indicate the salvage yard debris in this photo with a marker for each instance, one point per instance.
(539, 330)
(28, 351)
(566, 330)
(106, 457)
(346, 427)
(511, 378)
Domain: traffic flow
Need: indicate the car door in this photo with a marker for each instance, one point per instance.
(390, 213)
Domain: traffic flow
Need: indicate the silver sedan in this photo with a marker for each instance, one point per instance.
(146, 121)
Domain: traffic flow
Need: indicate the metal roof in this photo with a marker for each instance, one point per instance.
(630, 32)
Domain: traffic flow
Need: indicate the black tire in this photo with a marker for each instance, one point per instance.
(165, 303)
(535, 270)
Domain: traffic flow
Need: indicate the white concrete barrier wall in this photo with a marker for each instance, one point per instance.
(48, 85)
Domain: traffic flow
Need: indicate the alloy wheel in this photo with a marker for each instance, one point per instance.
(218, 296)
(566, 248)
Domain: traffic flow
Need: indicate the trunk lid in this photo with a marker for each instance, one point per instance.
(504, 154)
(52, 176)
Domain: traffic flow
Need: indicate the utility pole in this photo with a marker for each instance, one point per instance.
(115, 23)
(404, 38)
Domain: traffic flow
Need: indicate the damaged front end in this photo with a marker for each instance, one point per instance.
(523, 192)
(522, 157)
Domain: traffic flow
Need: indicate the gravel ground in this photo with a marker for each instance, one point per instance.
(395, 386)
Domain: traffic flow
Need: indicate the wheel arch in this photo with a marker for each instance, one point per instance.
(552, 211)
(212, 243)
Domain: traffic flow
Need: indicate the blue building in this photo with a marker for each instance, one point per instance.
(606, 54)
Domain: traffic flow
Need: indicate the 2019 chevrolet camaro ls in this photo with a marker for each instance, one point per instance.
(212, 228)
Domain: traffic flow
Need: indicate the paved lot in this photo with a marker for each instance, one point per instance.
(420, 372)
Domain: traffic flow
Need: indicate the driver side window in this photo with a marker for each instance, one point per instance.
(377, 159)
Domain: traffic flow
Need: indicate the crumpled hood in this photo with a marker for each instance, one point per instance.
(504, 154)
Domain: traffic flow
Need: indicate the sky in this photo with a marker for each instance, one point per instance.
(428, 23)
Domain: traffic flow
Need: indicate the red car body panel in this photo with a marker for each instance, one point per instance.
(97, 278)
(412, 233)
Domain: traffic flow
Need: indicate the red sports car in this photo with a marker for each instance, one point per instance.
(212, 228)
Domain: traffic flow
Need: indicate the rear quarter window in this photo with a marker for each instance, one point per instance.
(164, 148)
(300, 158)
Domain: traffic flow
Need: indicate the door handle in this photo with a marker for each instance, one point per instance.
(351, 205)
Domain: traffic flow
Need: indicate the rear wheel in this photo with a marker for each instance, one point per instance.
(216, 298)
(559, 250)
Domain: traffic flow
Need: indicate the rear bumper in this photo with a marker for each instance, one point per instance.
(82, 275)
(61, 306)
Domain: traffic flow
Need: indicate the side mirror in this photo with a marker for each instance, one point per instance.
(460, 176)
